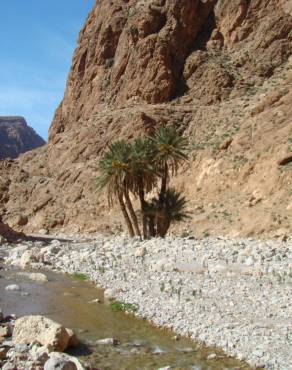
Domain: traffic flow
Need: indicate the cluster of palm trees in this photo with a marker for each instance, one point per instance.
(144, 167)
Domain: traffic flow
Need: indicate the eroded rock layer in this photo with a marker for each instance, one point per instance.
(221, 71)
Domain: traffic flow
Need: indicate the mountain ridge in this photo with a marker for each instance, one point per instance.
(16, 137)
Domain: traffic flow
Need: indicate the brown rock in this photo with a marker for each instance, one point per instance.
(73, 340)
(29, 329)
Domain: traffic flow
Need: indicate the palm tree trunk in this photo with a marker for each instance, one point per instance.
(159, 221)
(144, 218)
(126, 216)
(132, 213)
(151, 225)
(163, 184)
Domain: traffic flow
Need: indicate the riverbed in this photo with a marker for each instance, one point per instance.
(80, 305)
(235, 294)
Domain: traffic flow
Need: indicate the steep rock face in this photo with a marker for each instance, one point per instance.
(220, 71)
(17, 137)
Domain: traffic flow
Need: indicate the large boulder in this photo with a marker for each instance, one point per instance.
(29, 329)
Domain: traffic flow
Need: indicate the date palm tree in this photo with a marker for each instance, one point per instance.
(144, 177)
(115, 177)
(173, 209)
(170, 150)
(140, 168)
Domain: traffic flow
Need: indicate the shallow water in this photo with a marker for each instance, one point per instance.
(142, 346)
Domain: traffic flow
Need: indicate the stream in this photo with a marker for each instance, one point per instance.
(73, 303)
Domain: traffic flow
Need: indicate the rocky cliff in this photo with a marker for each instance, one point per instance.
(220, 70)
(17, 137)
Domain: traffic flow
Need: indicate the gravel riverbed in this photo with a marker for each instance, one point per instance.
(234, 294)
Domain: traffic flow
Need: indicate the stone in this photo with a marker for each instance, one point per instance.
(43, 232)
(3, 331)
(212, 356)
(40, 353)
(13, 288)
(3, 352)
(26, 259)
(59, 364)
(21, 220)
(35, 276)
(108, 341)
(249, 261)
(62, 361)
(9, 366)
(73, 340)
(29, 329)
(141, 252)
(110, 294)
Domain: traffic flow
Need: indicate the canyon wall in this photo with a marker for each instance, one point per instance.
(219, 70)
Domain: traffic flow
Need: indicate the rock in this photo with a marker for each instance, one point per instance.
(96, 300)
(108, 341)
(20, 220)
(9, 366)
(26, 259)
(57, 360)
(249, 261)
(13, 287)
(35, 276)
(255, 198)
(73, 340)
(40, 354)
(43, 232)
(29, 329)
(3, 331)
(2, 240)
(212, 356)
(141, 252)
(110, 294)
(3, 352)
(59, 364)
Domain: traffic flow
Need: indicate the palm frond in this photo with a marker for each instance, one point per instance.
(169, 147)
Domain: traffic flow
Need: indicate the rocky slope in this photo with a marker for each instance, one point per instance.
(17, 137)
(220, 71)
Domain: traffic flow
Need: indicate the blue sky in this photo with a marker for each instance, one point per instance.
(37, 39)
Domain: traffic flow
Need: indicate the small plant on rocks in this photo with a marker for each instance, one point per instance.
(122, 306)
(79, 276)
